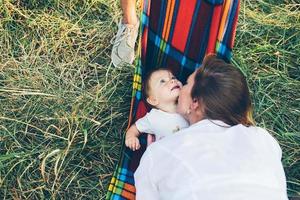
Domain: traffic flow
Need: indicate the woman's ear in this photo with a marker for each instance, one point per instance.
(195, 104)
(152, 101)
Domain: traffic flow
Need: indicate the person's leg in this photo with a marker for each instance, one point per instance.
(124, 42)
(129, 13)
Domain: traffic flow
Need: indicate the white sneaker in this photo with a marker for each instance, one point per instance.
(123, 44)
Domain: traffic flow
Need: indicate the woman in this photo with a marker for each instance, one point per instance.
(176, 35)
(221, 155)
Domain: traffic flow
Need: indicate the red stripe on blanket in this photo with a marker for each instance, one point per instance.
(155, 15)
(129, 188)
(183, 23)
(232, 33)
(214, 29)
(128, 195)
(142, 109)
(144, 40)
(198, 37)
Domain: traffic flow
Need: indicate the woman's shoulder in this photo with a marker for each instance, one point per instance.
(258, 130)
(255, 130)
(263, 135)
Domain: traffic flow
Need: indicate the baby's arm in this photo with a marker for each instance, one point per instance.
(131, 139)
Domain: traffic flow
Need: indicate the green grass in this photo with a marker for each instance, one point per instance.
(63, 106)
(267, 49)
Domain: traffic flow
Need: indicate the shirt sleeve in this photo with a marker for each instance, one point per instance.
(144, 125)
(145, 186)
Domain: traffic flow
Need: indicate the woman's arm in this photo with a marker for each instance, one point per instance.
(143, 178)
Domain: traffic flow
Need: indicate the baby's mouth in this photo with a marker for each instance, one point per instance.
(175, 87)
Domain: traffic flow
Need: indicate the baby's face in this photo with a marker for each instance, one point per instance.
(164, 86)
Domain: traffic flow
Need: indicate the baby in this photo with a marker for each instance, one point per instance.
(161, 91)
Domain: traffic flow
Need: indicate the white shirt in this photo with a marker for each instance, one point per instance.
(210, 162)
(161, 123)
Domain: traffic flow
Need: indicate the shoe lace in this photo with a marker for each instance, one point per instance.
(125, 33)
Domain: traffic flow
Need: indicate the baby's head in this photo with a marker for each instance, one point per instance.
(161, 88)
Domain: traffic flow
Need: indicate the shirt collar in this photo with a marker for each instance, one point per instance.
(211, 122)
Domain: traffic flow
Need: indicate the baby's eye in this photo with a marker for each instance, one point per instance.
(173, 77)
(162, 81)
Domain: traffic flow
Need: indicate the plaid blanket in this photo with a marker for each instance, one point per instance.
(176, 34)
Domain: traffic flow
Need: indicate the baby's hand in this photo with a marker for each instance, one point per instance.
(133, 143)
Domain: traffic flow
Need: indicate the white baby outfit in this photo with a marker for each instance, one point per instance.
(161, 123)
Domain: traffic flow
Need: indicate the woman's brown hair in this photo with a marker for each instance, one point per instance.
(223, 92)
